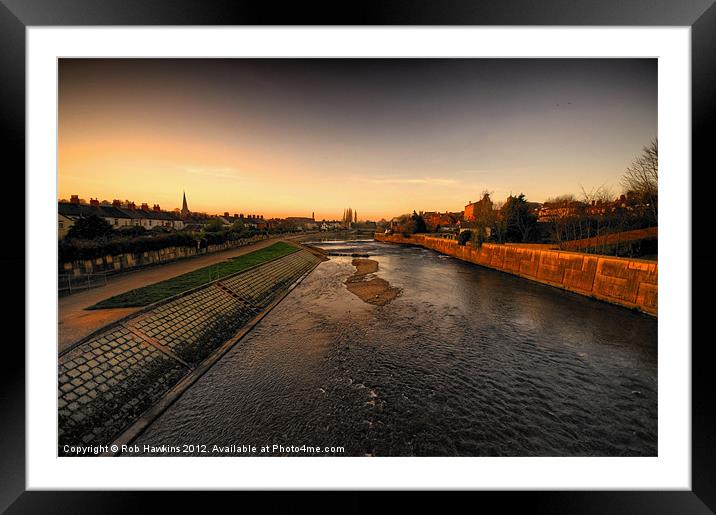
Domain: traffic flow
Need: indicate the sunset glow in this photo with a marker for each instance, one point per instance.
(290, 137)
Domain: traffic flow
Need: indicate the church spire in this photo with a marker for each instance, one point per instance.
(184, 208)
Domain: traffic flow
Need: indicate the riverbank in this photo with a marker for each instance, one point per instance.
(631, 283)
(127, 372)
(75, 321)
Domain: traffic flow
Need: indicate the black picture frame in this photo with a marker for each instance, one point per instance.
(17, 15)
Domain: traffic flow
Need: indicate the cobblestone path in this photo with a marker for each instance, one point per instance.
(109, 379)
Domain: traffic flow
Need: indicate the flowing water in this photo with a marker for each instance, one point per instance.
(466, 361)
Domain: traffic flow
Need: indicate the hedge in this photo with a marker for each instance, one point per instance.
(75, 249)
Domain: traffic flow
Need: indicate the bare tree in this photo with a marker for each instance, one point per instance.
(596, 200)
(642, 177)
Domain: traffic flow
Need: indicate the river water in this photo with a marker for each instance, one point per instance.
(466, 361)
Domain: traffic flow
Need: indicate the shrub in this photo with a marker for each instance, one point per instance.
(464, 237)
(214, 226)
(75, 249)
(132, 230)
(89, 227)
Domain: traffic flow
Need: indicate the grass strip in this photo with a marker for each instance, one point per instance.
(158, 291)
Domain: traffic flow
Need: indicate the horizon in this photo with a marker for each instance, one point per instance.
(288, 137)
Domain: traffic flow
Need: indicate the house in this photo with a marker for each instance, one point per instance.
(302, 222)
(69, 212)
(63, 225)
(118, 215)
(150, 218)
(435, 220)
(475, 210)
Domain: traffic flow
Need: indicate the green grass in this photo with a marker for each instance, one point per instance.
(181, 283)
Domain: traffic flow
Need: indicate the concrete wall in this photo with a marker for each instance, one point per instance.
(130, 261)
(627, 282)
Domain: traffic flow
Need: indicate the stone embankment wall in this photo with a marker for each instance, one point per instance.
(130, 261)
(627, 282)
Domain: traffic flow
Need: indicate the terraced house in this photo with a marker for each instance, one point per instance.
(117, 215)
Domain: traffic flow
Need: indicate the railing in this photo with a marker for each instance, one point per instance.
(71, 283)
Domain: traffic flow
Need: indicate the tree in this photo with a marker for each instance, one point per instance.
(132, 230)
(642, 177)
(520, 222)
(215, 225)
(419, 223)
(89, 228)
(411, 224)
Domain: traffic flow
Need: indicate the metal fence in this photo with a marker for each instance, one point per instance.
(70, 283)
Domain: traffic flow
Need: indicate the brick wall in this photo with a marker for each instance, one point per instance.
(627, 282)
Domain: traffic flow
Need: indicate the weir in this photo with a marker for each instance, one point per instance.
(111, 378)
(631, 283)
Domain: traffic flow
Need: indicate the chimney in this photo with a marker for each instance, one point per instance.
(145, 206)
(75, 199)
(156, 207)
(262, 217)
(241, 215)
(94, 202)
(117, 203)
(226, 214)
(236, 215)
(132, 206)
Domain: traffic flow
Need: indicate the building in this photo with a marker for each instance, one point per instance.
(551, 211)
(302, 222)
(154, 217)
(184, 207)
(119, 215)
(435, 221)
(474, 210)
(69, 212)
(63, 225)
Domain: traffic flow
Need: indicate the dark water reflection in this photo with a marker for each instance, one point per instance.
(467, 361)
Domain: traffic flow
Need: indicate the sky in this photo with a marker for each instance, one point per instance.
(289, 137)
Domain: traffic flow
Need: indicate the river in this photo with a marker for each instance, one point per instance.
(466, 361)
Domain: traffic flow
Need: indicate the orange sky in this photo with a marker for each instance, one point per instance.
(283, 138)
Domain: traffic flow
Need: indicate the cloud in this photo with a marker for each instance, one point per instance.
(472, 172)
(449, 178)
(225, 172)
(399, 179)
